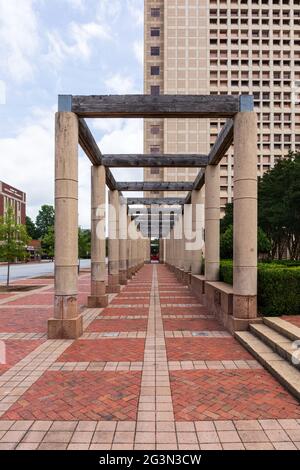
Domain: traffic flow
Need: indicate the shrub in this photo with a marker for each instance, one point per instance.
(278, 286)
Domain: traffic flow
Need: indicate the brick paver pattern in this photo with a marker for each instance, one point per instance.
(152, 371)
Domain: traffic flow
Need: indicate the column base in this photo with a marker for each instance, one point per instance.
(70, 328)
(123, 278)
(245, 306)
(97, 301)
(129, 274)
(113, 286)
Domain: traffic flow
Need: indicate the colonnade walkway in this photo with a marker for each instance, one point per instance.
(151, 371)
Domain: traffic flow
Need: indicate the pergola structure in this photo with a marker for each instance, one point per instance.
(128, 253)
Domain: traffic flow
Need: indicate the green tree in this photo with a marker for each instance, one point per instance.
(226, 243)
(31, 228)
(48, 242)
(279, 205)
(44, 220)
(13, 240)
(228, 217)
(84, 244)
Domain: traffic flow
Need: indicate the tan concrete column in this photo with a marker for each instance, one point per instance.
(129, 250)
(98, 297)
(67, 323)
(113, 242)
(187, 229)
(197, 226)
(123, 242)
(212, 222)
(134, 252)
(245, 218)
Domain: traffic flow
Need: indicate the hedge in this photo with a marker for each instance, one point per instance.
(278, 286)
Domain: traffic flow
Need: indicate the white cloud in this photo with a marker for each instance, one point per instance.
(78, 4)
(80, 42)
(136, 9)
(138, 48)
(30, 165)
(120, 84)
(19, 38)
(109, 10)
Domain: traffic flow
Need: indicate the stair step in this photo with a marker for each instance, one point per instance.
(279, 343)
(285, 373)
(283, 327)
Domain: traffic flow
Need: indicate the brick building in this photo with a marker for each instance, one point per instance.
(14, 197)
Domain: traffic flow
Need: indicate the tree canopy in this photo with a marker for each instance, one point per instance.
(44, 220)
(279, 205)
(13, 239)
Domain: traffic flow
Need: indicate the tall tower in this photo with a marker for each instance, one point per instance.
(223, 47)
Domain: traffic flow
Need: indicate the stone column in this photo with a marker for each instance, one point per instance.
(129, 251)
(212, 222)
(67, 323)
(113, 243)
(245, 219)
(134, 252)
(98, 297)
(187, 229)
(123, 242)
(197, 226)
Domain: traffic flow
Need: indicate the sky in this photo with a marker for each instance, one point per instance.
(51, 47)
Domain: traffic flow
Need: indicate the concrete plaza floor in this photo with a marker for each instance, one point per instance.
(152, 371)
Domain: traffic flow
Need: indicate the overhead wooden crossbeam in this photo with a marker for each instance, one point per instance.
(148, 106)
(170, 201)
(88, 143)
(91, 149)
(222, 144)
(157, 160)
(154, 186)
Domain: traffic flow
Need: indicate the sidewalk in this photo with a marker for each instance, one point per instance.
(152, 371)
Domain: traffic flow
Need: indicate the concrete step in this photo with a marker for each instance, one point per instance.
(283, 327)
(278, 342)
(284, 372)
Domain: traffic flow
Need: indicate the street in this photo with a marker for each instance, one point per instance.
(19, 271)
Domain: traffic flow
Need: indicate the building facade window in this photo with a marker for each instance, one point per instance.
(155, 90)
(154, 70)
(155, 32)
(155, 51)
(154, 130)
(155, 12)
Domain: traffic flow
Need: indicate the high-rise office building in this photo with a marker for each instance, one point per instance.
(223, 47)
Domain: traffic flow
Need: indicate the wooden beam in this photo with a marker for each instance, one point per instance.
(154, 201)
(154, 186)
(222, 144)
(162, 106)
(88, 143)
(91, 149)
(163, 161)
(200, 180)
(110, 180)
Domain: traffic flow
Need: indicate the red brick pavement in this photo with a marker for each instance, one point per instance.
(25, 320)
(193, 324)
(104, 350)
(205, 349)
(230, 394)
(183, 310)
(123, 300)
(109, 312)
(294, 319)
(80, 395)
(16, 350)
(44, 299)
(118, 325)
